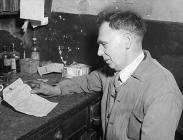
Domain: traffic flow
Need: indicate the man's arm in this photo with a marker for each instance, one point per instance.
(161, 120)
(85, 83)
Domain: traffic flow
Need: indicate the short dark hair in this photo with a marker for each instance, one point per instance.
(127, 20)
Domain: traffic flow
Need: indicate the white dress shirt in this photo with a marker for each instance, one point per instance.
(128, 70)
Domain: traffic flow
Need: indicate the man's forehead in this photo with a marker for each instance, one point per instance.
(106, 28)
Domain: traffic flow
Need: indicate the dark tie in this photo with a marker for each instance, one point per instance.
(117, 83)
(117, 86)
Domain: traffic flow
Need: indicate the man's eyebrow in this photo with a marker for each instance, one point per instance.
(101, 42)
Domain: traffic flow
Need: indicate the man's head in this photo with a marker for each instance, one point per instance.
(120, 38)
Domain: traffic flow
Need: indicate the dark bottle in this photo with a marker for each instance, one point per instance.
(1, 63)
(6, 60)
(15, 60)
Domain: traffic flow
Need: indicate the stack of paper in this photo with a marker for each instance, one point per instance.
(19, 96)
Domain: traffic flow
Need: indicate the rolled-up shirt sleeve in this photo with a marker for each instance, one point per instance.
(161, 119)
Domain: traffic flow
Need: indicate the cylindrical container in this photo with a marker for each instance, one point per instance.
(29, 65)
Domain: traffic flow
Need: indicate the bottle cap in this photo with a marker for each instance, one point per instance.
(34, 39)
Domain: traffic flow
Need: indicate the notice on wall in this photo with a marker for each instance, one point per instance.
(34, 11)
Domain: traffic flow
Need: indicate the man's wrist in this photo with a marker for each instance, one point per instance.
(57, 91)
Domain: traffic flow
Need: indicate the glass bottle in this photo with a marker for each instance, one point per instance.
(15, 59)
(1, 63)
(6, 60)
(35, 50)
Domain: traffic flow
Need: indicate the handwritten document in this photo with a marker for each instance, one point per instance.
(19, 96)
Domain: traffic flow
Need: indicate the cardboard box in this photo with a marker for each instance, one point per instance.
(76, 70)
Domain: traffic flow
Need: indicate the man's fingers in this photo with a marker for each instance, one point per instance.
(36, 91)
(34, 83)
(40, 88)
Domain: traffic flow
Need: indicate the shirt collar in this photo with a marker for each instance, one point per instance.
(128, 70)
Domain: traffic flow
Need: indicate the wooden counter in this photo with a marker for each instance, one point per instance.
(70, 119)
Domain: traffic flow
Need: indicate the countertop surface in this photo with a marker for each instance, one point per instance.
(14, 125)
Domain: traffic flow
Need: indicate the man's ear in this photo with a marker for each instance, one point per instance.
(128, 40)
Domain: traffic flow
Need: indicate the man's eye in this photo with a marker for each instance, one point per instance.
(104, 45)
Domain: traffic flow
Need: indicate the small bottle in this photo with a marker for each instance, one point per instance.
(22, 45)
(35, 50)
(1, 63)
(15, 60)
(6, 60)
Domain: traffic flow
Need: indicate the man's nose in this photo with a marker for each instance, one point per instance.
(100, 51)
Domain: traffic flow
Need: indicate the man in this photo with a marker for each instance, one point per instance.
(141, 100)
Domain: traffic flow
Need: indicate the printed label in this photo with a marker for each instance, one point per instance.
(13, 64)
(7, 62)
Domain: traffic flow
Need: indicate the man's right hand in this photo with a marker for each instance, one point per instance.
(39, 87)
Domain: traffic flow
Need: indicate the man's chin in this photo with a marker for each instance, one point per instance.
(111, 66)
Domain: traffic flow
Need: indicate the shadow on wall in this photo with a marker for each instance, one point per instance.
(11, 32)
(75, 34)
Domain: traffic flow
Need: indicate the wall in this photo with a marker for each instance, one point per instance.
(75, 34)
(163, 10)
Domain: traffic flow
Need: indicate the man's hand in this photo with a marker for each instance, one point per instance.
(39, 87)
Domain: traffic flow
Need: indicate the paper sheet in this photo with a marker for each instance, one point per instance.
(19, 96)
(34, 11)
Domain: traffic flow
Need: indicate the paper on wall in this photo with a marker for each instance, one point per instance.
(19, 96)
(34, 11)
(36, 23)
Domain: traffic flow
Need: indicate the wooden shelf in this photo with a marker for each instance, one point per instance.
(9, 13)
